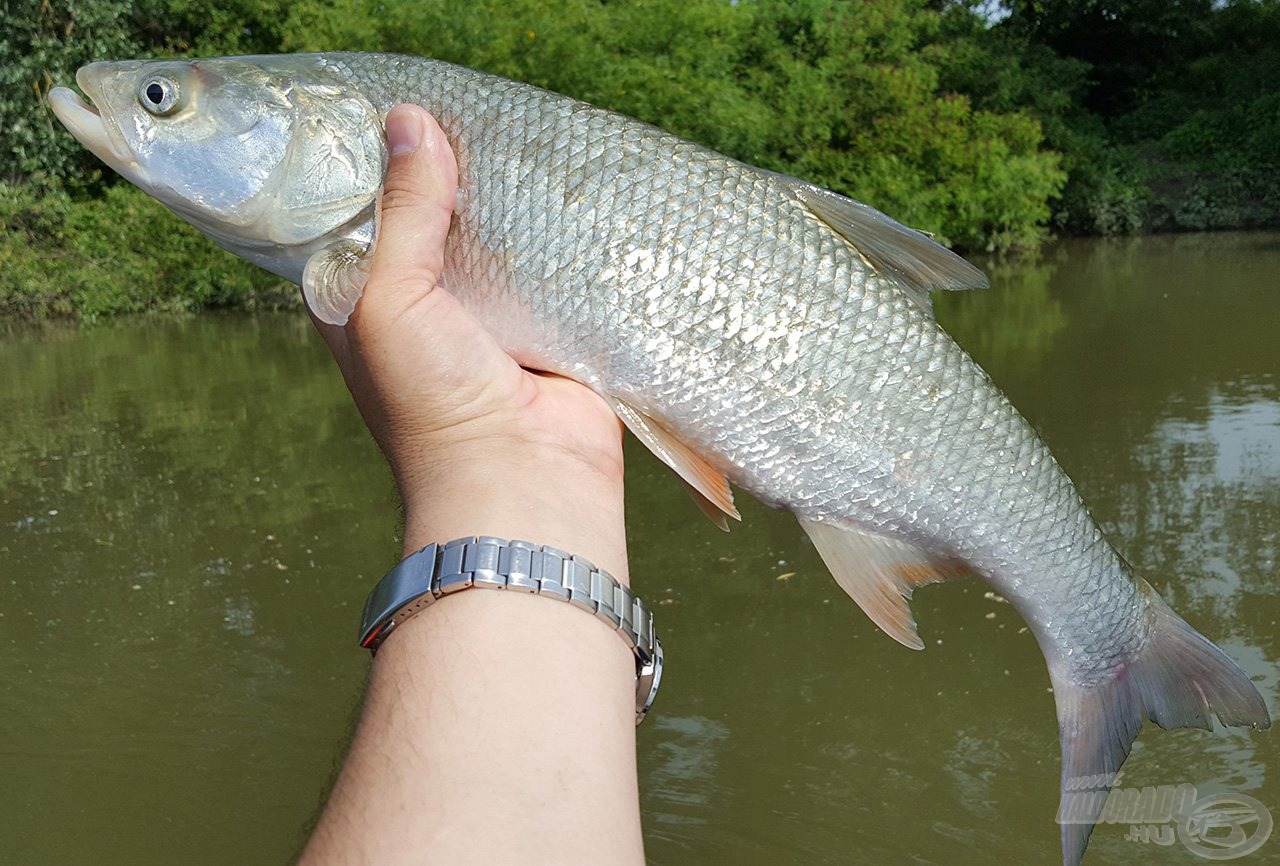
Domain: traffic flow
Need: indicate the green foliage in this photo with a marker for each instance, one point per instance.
(1129, 46)
(209, 27)
(43, 43)
(1211, 136)
(877, 124)
(118, 253)
(1177, 127)
(1005, 72)
(1090, 116)
(844, 95)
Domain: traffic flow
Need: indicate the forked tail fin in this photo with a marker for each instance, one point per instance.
(1178, 680)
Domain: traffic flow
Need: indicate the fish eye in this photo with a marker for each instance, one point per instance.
(159, 95)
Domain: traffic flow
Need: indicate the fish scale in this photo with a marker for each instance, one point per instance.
(561, 278)
(745, 325)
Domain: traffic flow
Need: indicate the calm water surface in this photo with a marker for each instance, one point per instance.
(191, 514)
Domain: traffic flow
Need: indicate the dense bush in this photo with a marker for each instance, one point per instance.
(117, 253)
(988, 125)
(43, 43)
(1178, 124)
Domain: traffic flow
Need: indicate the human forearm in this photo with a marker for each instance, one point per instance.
(497, 727)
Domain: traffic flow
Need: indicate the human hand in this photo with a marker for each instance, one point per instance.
(480, 446)
(477, 444)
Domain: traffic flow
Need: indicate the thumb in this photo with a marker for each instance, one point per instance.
(417, 204)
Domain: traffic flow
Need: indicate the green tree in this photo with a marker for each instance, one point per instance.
(43, 43)
(1163, 110)
(846, 95)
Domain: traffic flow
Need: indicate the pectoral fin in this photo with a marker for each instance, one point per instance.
(709, 488)
(334, 279)
(880, 573)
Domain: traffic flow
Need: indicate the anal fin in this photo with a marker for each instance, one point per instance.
(333, 280)
(879, 573)
(709, 488)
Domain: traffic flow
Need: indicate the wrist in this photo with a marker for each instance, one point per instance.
(544, 495)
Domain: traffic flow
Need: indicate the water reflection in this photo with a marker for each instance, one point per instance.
(1022, 328)
(190, 514)
(682, 780)
(1213, 471)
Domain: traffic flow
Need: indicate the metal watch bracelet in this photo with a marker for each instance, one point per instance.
(437, 570)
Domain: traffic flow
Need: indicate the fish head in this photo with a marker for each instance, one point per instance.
(260, 154)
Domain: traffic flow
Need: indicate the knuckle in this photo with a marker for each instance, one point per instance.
(402, 195)
(397, 287)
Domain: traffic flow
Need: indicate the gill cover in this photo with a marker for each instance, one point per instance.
(333, 167)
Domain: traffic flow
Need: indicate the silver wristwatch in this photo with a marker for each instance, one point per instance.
(495, 563)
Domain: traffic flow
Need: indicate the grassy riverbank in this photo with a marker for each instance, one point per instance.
(994, 127)
(117, 252)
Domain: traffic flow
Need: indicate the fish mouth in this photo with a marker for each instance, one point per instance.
(97, 133)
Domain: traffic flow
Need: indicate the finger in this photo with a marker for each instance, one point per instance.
(417, 204)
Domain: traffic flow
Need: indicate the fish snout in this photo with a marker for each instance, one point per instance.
(92, 120)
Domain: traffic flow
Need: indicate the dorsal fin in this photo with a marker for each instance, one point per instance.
(910, 258)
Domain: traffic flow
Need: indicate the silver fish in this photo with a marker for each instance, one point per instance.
(748, 327)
